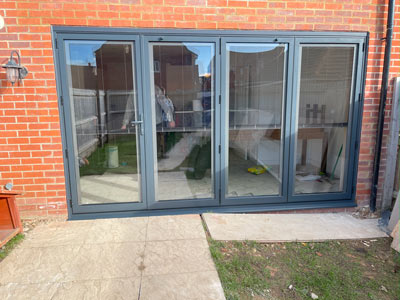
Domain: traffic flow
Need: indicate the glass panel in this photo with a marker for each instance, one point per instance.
(256, 90)
(182, 99)
(326, 81)
(103, 100)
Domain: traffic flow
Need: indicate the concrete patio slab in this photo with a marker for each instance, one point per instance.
(290, 227)
(131, 258)
(184, 286)
(174, 257)
(185, 227)
(72, 263)
(119, 288)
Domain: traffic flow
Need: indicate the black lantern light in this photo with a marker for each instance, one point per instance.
(15, 71)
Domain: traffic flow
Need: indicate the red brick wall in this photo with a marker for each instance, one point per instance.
(30, 142)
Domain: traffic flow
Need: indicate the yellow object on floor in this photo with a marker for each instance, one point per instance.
(257, 170)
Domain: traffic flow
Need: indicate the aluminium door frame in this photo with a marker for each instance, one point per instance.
(354, 108)
(151, 192)
(285, 121)
(315, 201)
(68, 119)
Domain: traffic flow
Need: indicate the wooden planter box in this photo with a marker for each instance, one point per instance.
(10, 222)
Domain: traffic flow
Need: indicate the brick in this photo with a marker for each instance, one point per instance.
(295, 5)
(96, 6)
(85, 14)
(237, 3)
(277, 4)
(165, 24)
(121, 23)
(258, 4)
(163, 9)
(207, 25)
(27, 5)
(220, 3)
(73, 6)
(62, 14)
(109, 14)
(184, 10)
(8, 4)
(195, 2)
(16, 13)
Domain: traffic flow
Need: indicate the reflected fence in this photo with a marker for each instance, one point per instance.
(97, 114)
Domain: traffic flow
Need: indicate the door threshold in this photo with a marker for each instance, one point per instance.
(218, 209)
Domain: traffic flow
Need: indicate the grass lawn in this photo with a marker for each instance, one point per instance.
(367, 269)
(6, 249)
(126, 154)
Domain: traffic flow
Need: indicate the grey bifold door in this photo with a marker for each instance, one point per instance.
(255, 131)
(139, 114)
(326, 106)
(289, 119)
(177, 121)
(180, 93)
(103, 116)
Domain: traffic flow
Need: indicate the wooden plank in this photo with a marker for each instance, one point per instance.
(5, 214)
(14, 213)
(6, 235)
(392, 149)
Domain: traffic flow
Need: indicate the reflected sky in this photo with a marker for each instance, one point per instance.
(252, 48)
(205, 54)
(82, 53)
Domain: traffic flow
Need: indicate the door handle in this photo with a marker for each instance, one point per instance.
(139, 123)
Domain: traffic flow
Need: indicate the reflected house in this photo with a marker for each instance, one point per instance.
(178, 73)
(184, 158)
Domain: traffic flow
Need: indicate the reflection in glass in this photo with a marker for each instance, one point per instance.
(255, 88)
(182, 93)
(103, 99)
(326, 81)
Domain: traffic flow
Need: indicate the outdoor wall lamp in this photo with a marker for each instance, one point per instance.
(15, 71)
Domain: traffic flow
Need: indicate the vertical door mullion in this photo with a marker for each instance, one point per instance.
(65, 132)
(147, 119)
(224, 126)
(288, 120)
(355, 131)
(141, 137)
(293, 116)
(70, 157)
(217, 145)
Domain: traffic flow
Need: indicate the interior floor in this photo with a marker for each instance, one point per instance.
(309, 179)
(111, 188)
(243, 183)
